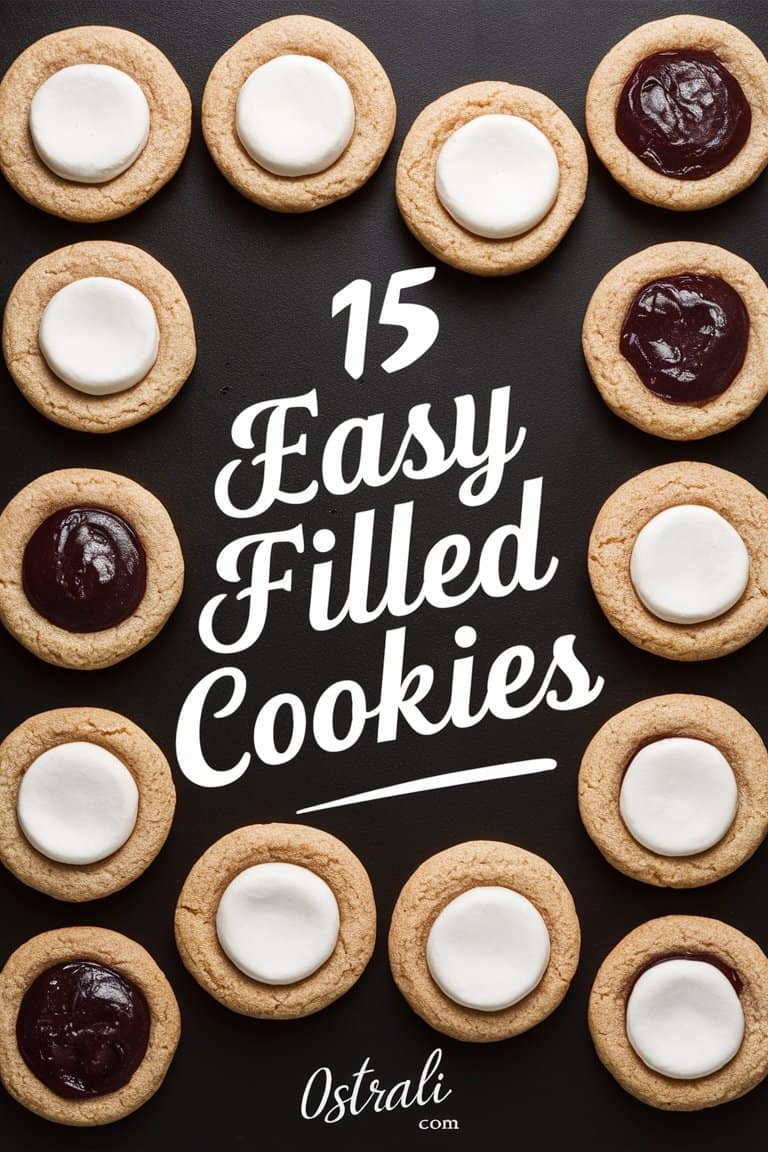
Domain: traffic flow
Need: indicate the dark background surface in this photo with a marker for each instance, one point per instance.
(260, 287)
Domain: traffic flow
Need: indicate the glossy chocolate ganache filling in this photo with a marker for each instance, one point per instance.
(683, 114)
(83, 1029)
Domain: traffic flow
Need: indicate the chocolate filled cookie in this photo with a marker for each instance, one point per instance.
(674, 790)
(676, 340)
(677, 1013)
(678, 560)
(484, 941)
(88, 1026)
(95, 121)
(491, 177)
(298, 113)
(678, 112)
(276, 920)
(90, 567)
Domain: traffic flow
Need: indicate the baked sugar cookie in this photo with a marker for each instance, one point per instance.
(86, 802)
(491, 177)
(676, 340)
(674, 790)
(90, 567)
(98, 336)
(677, 1013)
(484, 941)
(298, 113)
(678, 560)
(276, 920)
(678, 112)
(93, 122)
(61, 993)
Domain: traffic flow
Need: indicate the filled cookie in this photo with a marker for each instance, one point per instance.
(276, 920)
(98, 336)
(86, 802)
(298, 113)
(95, 121)
(90, 567)
(676, 340)
(674, 790)
(678, 112)
(491, 177)
(677, 1013)
(678, 560)
(484, 941)
(88, 1026)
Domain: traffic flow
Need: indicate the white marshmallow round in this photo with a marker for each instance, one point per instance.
(689, 564)
(295, 115)
(99, 335)
(684, 1019)
(77, 803)
(488, 948)
(278, 923)
(89, 122)
(679, 796)
(497, 176)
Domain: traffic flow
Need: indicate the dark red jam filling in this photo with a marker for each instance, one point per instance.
(683, 114)
(706, 957)
(686, 337)
(84, 569)
(83, 1029)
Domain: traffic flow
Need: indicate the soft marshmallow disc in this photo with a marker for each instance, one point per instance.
(77, 803)
(497, 176)
(678, 796)
(278, 923)
(89, 122)
(488, 948)
(684, 1019)
(295, 115)
(99, 335)
(689, 564)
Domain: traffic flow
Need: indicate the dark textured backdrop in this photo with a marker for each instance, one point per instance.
(260, 287)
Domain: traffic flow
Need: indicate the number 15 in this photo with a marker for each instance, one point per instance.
(421, 323)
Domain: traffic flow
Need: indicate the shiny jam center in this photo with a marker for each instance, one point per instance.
(686, 337)
(82, 1029)
(731, 975)
(683, 114)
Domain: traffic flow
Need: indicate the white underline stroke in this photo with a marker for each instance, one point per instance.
(445, 780)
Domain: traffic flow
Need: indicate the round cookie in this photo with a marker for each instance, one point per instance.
(292, 844)
(157, 801)
(612, 749)
(433, 225)
(56, 399)
(436, 884)
(374, 106)
(130, 961)
(170, 119)
(620, 385)
(741, 58)
(688, 936)
(88, 488)
(613, 537)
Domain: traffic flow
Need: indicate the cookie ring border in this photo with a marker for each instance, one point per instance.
(127, 957)
(195, 919)
(354, 62)
(431, 223)
(165, 566)
(616, 380)
(157, 802)
(170, 109)
(443, 877)
(613, 536)
(607, 1011)
(60, 402)
(608, 755)
(741, 57)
